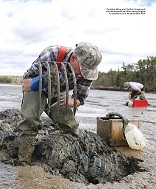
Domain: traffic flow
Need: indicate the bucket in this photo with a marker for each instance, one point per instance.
(140, 103)
(134, 137)
(112, 130)
(137, 103)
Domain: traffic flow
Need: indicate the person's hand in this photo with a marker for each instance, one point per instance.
(26, 85)
(71, 103)
(138, 91)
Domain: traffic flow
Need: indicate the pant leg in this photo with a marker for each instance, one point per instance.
(30, 108)
(28, 128)
(142, 95)
(31, 111)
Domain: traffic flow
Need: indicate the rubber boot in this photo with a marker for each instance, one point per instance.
(28, 128)
(26, 148)
(65, 119)
(75, 130)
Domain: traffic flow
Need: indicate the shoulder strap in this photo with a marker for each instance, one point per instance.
(61, 54)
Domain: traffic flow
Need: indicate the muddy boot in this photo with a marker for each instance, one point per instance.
(65, 119)
(26, 148)
(28, 130)
(74, 130)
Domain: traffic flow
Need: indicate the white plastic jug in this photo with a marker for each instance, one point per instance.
(134, 137)
(130, 103)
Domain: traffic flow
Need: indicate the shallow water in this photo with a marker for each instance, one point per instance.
(10, 96)
(98, 104)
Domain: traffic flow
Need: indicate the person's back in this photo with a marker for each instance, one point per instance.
(135, 86)
(136, 89)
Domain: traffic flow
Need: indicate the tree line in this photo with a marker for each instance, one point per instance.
(144, 71)
(11, 79)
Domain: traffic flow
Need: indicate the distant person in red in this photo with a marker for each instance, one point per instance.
(136, 90)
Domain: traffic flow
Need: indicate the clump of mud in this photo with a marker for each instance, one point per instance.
(86, 158)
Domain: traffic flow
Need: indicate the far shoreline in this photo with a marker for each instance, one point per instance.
(92, 88)
(117, 89)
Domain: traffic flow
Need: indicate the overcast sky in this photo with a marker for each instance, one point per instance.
(29, 26)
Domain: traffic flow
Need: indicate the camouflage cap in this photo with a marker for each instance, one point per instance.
(89, 58)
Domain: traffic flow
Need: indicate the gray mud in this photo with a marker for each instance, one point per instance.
(42, 173)
(86, 158)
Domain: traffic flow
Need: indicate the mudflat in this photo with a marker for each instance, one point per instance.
(99, 103)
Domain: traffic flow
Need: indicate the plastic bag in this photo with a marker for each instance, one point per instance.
(134, 137)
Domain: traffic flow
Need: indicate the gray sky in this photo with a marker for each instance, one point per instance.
(29, 26)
